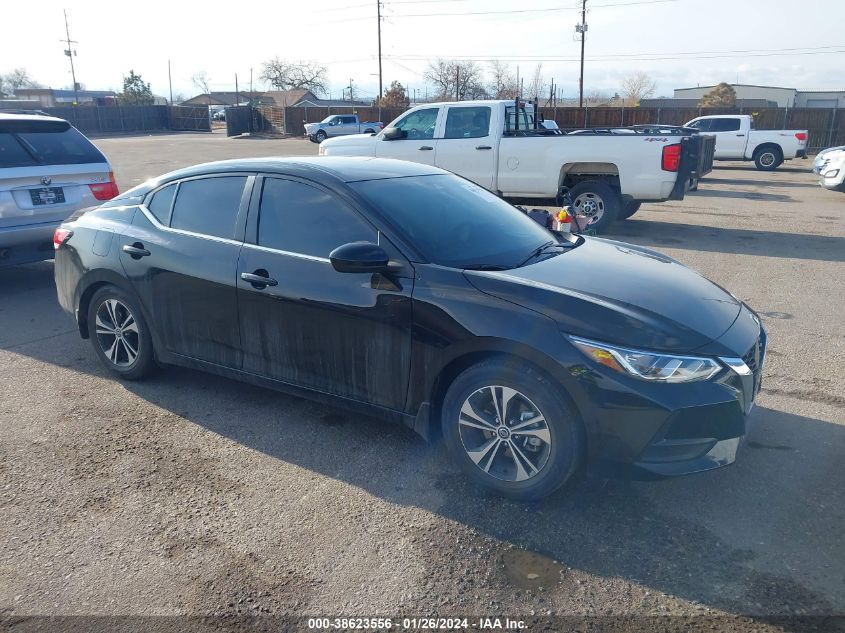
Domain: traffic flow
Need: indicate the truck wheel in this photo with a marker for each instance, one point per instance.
(629, 209)
(768, 158)
(598, 201)
(369, 131)
(509, 430)
(320, 136)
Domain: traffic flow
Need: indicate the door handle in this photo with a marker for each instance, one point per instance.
(426, 147)
(740, 134)
(259, 279)
(483, 147)
(136, 250)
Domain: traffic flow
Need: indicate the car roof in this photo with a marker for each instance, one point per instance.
(322, 169)
(4, 116)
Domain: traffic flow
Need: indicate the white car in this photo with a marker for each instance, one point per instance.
(48, 172)
(832, 170)
(498, 145)
(736, 139)
(820, 157)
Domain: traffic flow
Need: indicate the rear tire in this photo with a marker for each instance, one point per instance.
(768, 158)
(523, 466)
(629, 209)
(598, 200)
(119, 334)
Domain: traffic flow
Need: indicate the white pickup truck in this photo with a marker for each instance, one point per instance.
(736, 139)
(606, 176)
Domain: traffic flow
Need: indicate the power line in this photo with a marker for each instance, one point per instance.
(515, 11)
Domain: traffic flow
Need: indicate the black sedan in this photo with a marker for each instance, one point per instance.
(402, 290)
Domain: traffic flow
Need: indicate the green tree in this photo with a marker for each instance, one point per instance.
(395, 97)
(722, 96)
(135, 91)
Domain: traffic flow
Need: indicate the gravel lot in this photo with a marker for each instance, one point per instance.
(191, 494)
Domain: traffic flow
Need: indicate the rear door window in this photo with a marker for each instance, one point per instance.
(209, 206)
(724, 125)
(467, 122)
(299, 218)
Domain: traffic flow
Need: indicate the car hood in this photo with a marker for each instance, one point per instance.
(619, 293)
(349, 145)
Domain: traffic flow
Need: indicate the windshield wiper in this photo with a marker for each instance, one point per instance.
(539, 251)
(484, 267)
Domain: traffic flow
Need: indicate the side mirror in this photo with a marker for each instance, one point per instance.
(394, 134)
(359, 257)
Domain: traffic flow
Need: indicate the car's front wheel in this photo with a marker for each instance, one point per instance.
(320, 136)
(508, 429)
(120, 334)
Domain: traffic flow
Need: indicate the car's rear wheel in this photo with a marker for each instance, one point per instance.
(629, 209)
(320, 136)
(509, 430)
(120, 334)
(598, 202)
(768, 158)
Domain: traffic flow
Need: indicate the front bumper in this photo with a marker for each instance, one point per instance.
(660, 430)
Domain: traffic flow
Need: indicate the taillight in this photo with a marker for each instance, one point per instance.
(60, 237)
(801, 136)
(671, 157)
(106, 190)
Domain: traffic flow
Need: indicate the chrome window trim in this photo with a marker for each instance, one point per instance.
(267, 249)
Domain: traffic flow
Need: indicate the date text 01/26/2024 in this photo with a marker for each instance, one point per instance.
(414, 624)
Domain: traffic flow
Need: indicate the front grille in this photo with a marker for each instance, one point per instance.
(754, 358)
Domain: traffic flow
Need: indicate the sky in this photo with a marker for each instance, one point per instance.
(679, 43)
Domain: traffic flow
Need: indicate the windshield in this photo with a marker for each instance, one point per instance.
(454, 222)
(328, 118)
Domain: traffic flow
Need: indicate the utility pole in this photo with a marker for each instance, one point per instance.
(170, 82)
(250, 86)
(457, 83)
(582, 29)
(351, 98)
(70, 53)
(237, 94)
(378, 13)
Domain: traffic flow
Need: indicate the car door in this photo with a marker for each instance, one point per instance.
(467, 144)
(417, 143)
(181, 255)
(344, 334)
(730, 138)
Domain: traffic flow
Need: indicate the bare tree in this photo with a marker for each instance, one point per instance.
(17, 79)
(537, 85)
(299, 75)
(595, 98)
(201, 80)
(455, 79)
(636, 87)
(503, 84)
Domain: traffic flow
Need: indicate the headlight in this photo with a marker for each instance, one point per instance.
(833, 173)
(654, 366)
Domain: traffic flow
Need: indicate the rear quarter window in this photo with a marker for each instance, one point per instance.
(161, 202)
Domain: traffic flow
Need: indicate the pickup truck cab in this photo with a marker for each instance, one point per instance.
(340, 125)
(736, 139)
(498, 145)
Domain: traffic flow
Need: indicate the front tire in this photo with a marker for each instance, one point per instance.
(598, 201)
(768, 158)
(509, 430)
(320, 136)
(119, 334)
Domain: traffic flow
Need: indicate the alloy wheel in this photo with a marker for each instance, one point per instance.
(590, 205)
(767, 159)
(117, 332)
(504, 433)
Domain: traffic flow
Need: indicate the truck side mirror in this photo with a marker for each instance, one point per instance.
(394, 134)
